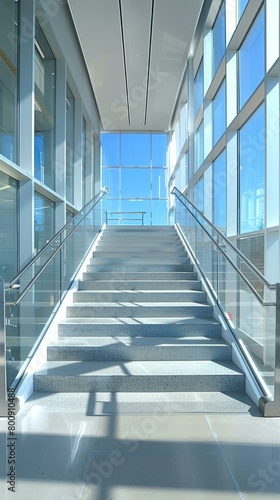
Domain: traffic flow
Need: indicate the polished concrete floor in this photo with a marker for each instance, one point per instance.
(68, 449)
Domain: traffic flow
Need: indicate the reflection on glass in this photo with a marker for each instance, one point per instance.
(219, 37)
(219, 192)
(84, 160)
(44, 110)
(70, 114)
(252, 171)
(8, 227)
(199, 146)
(198, 88)
(199, 195)
(251, 60)
(219, 113)
(8, 79)
(241, 7)
(43, 221)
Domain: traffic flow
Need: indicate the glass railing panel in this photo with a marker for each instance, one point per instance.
(244, 303)
(26, 321)
(35, 296)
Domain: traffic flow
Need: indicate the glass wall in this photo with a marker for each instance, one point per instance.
(44, 109)
(43, 221)
(219, 192)
(8, 79)
(198, 88)
(219, 113)
(134, 169)
(252, 172)
(8, 226)
(252, 60)
(219, 38)
(70, 115)
(199, 146)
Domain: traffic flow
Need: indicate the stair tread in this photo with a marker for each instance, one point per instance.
(138, 368)
(184, 320)
(138, 341)
(147, 305)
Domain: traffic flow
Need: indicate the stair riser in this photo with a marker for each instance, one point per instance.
(124, 276)
(135, 247)
(138, 312)
(132, 353)
(141, 259)
(136, 383)
(125, 267)
(139, 285)
(157, 255)
(119, 296)
(169, 330)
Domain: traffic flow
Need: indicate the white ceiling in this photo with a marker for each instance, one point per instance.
(136, 52)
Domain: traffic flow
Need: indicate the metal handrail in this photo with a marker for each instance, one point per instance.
(99, 195)
(125, 218)
(11, 285)
(269, 407)
(266, 282)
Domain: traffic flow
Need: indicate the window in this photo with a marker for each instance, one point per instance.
(219, 38)
(110, 150)
(136, 176)
(8, 79)
(8, 226)
(219, 113)
(70, 114)
(44, 111)
(84, 160)
(135, 150)
(198, 88)
(251, 60)
(252, 171)
(199, 147)
(219, 191)
(199, 195)
(241, 7)
(43, 221)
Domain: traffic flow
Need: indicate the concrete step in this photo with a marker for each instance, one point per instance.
(137, 247)
(148, 403)
(137, 268)
(139, 296)
(140, 285)
(138, 376)
(139, 348)
(139, 259)
(136, 253)
(133, 327)
(123, 276)
(139, 310)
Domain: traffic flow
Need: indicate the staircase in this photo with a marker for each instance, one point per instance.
(140, 327)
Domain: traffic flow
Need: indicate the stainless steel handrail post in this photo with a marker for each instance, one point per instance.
(269, 407)
(3, 374)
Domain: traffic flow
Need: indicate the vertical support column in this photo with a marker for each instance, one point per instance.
(267, 407)
(96, 165)
(26, 86)
(78, 167)
(60, 134)
(60, 141)
(3, 378)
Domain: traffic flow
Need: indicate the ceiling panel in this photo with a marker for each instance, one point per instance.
(119, 73)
